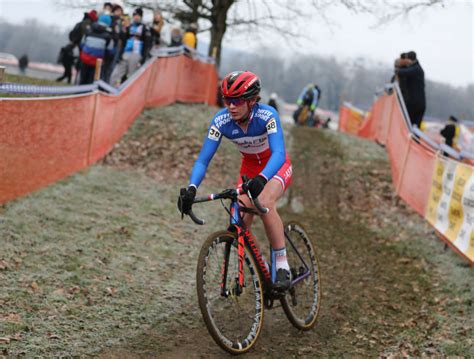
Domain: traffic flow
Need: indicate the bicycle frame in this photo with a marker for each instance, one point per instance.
(245, 238)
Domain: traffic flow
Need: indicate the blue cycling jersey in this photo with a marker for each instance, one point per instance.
(262, 141)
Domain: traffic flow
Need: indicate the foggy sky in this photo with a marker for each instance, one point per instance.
(441, 36)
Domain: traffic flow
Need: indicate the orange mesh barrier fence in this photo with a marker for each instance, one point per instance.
(41, 141)
(45, 139)
(182, 79)
(438, 188)
(163, 87)
(350, 119)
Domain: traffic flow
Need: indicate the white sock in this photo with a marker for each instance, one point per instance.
(280, 259)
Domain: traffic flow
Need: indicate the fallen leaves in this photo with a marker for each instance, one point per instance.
(35, 287)
(52, 336)
(111, 291)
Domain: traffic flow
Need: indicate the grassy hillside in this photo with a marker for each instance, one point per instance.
(100, 264)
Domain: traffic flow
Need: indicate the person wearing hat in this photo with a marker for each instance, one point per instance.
(451, 131)
(190, 38)
(82, 27)
(137, 42)
(97, 44)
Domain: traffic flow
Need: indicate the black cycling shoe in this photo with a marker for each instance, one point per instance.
(283, 280)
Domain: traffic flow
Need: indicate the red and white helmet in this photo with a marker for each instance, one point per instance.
(241, 84)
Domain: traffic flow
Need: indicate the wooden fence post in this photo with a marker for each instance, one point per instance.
(98, 69)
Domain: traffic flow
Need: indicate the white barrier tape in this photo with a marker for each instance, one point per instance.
(179, 50)
(25, 89)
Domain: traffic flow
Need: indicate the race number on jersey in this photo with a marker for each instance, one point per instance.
(214, 134)
(272, 126)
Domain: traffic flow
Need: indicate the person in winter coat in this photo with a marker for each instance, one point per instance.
(137, 42)
(413, 79)
(156, 27)
(450, 132)
(66, 58)
(272, 102)
(82, 27)
(23, 63)
(190, 38)
(97, 44)
(176, 37)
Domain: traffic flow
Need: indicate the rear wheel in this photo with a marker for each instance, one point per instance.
(301, 303)
(234, 318)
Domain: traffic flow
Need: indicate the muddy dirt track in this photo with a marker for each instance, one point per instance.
(380, 297)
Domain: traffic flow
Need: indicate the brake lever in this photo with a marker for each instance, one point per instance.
(195, 219)
(255, 201)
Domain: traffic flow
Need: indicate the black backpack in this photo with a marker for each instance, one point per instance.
(75, 36)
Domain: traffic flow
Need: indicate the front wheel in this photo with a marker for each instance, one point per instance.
(233, 315)
(302, 301)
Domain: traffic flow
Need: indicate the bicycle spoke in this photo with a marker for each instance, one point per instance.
(233, 319)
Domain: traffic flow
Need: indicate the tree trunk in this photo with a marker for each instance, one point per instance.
(219, 27)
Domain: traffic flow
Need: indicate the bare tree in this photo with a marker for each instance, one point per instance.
(282, 16)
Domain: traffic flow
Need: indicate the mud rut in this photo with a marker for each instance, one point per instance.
(367, 290)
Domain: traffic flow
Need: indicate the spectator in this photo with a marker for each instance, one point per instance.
(126, 22)
(82, 27)
(272, 102)
(413, 80)
(97, 44)
(117, 36)
(190, 38)
(66, 58)
(325, 124)
(156, 27)
(107, 9)
(401, 62)
(23, 63)
(176, 37)
(450, 132)
(136, 49)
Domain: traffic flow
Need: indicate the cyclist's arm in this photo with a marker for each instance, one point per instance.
(209, 148)
(314, 104)
(277, 147)
(299, 101)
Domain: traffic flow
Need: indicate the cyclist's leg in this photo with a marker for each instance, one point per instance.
(274, 225)
(272, 221)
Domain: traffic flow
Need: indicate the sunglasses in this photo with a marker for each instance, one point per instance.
(234, 101)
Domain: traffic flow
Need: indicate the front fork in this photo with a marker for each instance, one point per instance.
(225, 266)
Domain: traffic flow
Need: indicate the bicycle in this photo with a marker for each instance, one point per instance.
(233, 274)
(303, 117)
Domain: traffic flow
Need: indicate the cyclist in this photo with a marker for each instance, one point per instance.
(309, 96)
(256, 130)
